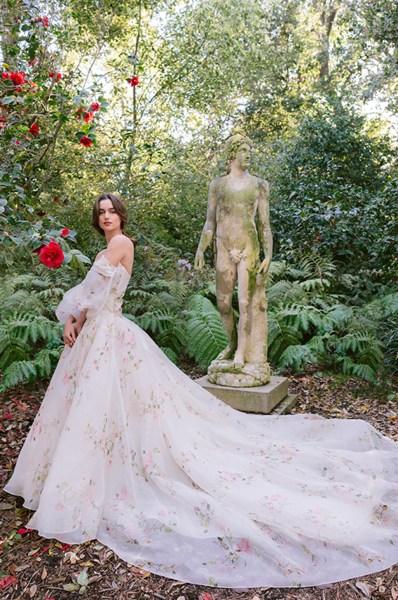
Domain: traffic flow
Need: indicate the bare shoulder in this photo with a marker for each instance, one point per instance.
(121, 242)
(99, 254)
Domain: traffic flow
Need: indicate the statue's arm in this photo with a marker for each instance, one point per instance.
(209, 227)
(264, 227)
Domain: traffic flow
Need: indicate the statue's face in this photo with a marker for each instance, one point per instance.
(243, 156)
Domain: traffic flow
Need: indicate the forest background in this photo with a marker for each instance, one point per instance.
(138, 97)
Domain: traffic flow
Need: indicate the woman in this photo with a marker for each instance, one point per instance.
(128, 450)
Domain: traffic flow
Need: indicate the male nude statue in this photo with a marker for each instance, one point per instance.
(234, 201)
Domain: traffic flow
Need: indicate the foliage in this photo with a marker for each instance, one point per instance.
(30, 338)
(308, 324)
(330, 184)
(205, 332)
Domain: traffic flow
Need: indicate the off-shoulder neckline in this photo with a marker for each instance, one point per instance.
(112, 265)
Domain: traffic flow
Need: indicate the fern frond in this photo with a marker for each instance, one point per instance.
(296, 356)
(205, 332)
(171, 355)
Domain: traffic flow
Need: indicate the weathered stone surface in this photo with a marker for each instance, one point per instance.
(227, 373)
(285, 407)
(238, 219)
(262, 399)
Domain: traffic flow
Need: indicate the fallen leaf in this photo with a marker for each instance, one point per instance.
(365, 589)
(5, 506)
(394, 593)
(205, 596)
(32, 590)
(43, 573)
(140, 572)
(5, 582)
(82, 578)
(70, 587)
(71, 557)
(21, 568)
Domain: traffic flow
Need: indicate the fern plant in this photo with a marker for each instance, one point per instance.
(205, 332)
(30, 337)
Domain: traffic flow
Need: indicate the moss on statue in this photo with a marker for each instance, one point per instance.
(235, 201)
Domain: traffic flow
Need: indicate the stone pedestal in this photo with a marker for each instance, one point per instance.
(225, 373)
(262, 399)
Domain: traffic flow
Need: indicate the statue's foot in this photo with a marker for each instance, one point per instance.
(227, 353)
(239, 360)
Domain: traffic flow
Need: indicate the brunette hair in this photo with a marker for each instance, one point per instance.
(117, 204)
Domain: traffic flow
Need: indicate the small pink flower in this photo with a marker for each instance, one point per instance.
(124, 494)
(244, 546)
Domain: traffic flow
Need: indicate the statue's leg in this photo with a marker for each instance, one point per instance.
(246, 271)
(225, 284)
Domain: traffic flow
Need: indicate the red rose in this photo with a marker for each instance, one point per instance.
(17, 142)
(18, 89)
(51, 74)
(3, 122)
(34, 129)
(17, 78)
(65, 232)
(88, 117)
(51, 255)
(134, 81)
(78, 111)
(55, 198)
(5, 75)
(59, 76)
(85, 141)
(95, 106)
(32, 63)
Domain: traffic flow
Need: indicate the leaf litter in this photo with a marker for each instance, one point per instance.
(34, 567)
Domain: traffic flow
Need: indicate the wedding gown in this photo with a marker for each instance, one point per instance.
(128, 450)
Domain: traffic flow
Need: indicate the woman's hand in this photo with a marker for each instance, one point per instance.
(78, 326)
(69, 333)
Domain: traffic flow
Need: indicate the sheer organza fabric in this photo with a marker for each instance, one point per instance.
(128, 450)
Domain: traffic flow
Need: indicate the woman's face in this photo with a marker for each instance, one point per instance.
(108, 218)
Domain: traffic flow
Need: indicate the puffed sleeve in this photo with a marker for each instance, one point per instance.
(91, 294)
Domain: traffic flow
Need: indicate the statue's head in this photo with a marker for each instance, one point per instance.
(239, 147)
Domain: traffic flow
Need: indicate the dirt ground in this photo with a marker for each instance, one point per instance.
(34, 567)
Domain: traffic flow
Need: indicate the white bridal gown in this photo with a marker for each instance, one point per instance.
(128, 450)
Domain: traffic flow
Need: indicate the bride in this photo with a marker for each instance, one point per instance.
(126, 449)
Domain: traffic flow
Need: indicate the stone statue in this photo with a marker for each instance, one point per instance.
(234, 201)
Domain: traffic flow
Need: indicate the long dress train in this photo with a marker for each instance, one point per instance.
(128, 450)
